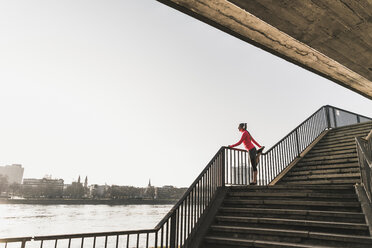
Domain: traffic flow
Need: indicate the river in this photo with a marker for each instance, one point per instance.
(17, 220)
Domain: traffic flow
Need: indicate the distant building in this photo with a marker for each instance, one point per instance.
(65, 186)
(86, 183)
(150, 191)
(96, 190)
(13, 172)
(52, 183)
(43, 187)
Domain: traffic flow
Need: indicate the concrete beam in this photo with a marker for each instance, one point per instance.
(236, 21)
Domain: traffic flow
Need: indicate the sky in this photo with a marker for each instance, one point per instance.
(127, 91)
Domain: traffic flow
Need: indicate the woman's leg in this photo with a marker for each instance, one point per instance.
(252, 155)
(255, 176)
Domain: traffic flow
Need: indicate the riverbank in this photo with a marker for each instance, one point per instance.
(43, 201)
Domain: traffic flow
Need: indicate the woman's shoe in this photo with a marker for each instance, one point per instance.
(260, 149)
(252, 183)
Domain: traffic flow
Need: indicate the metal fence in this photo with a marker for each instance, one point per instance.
(228, 167)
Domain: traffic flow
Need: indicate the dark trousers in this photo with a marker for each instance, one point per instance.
(252, 156)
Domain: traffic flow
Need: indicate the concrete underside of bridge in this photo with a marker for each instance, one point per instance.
(330, 38)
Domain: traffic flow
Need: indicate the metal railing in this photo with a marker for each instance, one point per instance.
(364, 149)
(172, 231)
(228, 167)
(22, 241)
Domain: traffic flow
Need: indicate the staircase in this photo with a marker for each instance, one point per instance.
(314, 205)
(332, 161)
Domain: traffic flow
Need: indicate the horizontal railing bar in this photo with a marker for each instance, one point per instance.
(12, 240)
(98, 234)
(236, 149)
(166, 217)
(349, 112)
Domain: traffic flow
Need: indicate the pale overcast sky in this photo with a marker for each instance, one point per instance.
(123, 91)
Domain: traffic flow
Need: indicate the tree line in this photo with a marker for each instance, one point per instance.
(76, 190)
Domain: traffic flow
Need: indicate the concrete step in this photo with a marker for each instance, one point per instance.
(298, 194)
(329, 157)
(357, 133)
(364, 125)
(322, 153)
(295, 204)
(282, 188)
(337, 216)
(290, 224)
(328, 161)
(347, 134)
(316, 149)
(286, 188)
(345, 139)
(290, 236)
(300, 168)
(321, 170)
(223, 242)
(344, 147)
(289, 198)
(325, 181)
(333, 145)
(321, 176)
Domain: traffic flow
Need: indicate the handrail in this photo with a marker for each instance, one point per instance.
(364, 149)
(229, 166)
(12, 240)
(95, 234)
(349, 112)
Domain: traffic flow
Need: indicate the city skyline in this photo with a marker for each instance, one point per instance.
(129, 91)
(14, 174)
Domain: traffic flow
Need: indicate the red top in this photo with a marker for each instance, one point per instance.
(247, 141)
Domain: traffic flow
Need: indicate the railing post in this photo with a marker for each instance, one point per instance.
(173, 231)
(334, 117)
(223, 167)
(327, 117)
(298, 144)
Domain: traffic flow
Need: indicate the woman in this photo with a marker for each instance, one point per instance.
(247, 140)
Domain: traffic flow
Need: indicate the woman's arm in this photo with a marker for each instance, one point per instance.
(240, 141)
